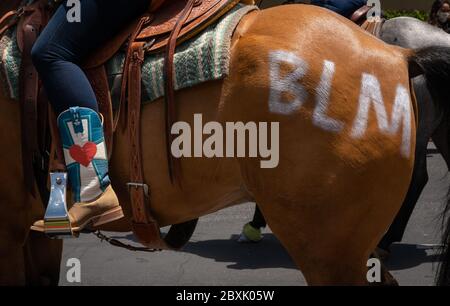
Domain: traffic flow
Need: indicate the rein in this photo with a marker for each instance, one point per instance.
(12, 17)
(117, 243)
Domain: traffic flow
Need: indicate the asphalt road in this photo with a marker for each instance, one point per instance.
(213, 257)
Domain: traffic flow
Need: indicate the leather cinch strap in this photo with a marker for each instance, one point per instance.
(125, 77)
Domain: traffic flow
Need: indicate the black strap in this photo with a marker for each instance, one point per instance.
(117, 243)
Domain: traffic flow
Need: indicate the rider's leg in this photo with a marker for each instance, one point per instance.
(343, 7)
(57, 55)
(63, 46)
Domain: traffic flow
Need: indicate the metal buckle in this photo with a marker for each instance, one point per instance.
(139, 185)
(20, 11)
(149, 44)
(56, 219)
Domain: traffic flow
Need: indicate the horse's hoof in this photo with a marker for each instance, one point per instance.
(250, 234)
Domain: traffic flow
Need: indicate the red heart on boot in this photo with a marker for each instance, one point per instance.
(83, 155)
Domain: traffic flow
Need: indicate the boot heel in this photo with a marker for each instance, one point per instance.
(109, 216)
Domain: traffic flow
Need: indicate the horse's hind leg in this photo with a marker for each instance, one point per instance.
(327, 215)
(327, 249)
(322, 258)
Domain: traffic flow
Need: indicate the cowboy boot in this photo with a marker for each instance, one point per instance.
(86, 160)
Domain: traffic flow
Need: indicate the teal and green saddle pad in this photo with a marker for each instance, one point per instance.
(206, 57)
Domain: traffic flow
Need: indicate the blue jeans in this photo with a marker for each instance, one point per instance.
(343, 7)
(62, 47)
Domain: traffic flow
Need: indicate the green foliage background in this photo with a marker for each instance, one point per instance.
(416, 14)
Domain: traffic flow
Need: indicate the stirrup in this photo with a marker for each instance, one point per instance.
(56, 219)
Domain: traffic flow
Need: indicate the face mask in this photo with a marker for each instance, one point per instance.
(443, 16)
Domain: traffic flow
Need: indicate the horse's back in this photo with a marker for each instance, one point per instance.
(316, 35)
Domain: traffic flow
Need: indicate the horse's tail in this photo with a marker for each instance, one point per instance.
(434, 64)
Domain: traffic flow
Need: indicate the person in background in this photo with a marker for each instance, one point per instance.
(440, 15)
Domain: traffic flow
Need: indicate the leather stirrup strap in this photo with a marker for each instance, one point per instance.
(145, 227)
(125, 76)
(28, 100)
(169, 95)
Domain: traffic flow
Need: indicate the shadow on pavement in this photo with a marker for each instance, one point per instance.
(405, 256)
(267, 254)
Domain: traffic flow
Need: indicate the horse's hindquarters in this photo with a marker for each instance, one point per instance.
(346, 135)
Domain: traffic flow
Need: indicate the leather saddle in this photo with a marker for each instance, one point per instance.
(161, 21)
(372, 25)
(160, 29)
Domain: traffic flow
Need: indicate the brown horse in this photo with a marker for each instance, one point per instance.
(346, 142)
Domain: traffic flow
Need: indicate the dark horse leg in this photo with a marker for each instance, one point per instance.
(398, 227)
(258, 219)
(429, 120)
(252, 230)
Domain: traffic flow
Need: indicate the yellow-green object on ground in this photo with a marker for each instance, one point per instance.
(252, 234)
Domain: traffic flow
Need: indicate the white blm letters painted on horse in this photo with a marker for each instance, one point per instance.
(370, 94)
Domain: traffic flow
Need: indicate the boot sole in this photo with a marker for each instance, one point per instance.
(109, 216)
(37, 229)
(96, 221)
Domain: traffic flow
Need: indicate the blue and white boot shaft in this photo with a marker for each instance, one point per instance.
(85, 153)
